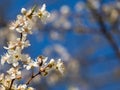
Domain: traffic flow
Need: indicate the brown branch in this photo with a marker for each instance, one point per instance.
(106, 33)
(11, 84)
(39, 73)
(21, 36)
(33, 76)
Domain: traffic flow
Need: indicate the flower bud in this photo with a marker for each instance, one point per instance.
(23, 11)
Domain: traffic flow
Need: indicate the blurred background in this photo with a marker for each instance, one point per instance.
(85, 34)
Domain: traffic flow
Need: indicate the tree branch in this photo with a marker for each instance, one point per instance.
(107, 34)
(33, 76)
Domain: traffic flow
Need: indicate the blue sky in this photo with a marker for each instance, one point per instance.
(74, 43)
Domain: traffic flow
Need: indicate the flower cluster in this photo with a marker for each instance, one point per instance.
(18, 60)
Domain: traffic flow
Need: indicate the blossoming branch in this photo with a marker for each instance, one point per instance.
(19, 61)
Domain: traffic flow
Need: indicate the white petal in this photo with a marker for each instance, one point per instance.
(15, 64)
(43, 8)
(23, 11)
(28, 67)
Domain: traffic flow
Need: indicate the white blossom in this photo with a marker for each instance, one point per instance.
(4, 58)
(14, 25)
(31, 64)
(43, 14)
(22, 87)
(14, 56)
(18, 60)
(1, 76)
(14, 73)
(60, 66)
(18, 43)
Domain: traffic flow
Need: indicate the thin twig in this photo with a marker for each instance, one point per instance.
(33, 76)
(21, 36)
(11, 84)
